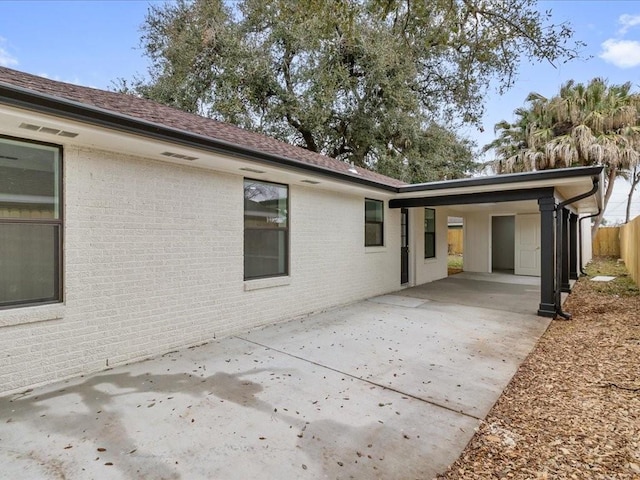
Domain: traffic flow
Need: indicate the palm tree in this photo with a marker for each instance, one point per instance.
(634, 180)
(593, 124)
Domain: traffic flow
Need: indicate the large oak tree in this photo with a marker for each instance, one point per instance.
(372, 82)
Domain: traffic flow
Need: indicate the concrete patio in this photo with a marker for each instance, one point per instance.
(388, 388)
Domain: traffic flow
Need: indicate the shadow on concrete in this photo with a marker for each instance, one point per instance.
(516, 298)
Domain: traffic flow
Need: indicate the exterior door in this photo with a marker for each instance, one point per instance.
(404, 246)
(527, 251)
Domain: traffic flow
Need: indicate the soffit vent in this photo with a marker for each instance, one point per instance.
(49, 130)
(252, 170)
(178, 155)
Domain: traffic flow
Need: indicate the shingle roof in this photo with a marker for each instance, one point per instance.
(149, 111)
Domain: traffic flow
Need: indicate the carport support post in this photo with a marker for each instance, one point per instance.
(573, 246)
(547, 206)
(565, 287)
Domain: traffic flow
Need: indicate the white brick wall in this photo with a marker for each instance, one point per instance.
(430, 269)
(154, 261)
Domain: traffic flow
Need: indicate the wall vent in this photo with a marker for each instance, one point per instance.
(178, 155)
(252, 170)
(49, 130)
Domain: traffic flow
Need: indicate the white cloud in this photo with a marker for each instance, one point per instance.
(621, 53)
(6, 59)
(628, 21)
(75, 80)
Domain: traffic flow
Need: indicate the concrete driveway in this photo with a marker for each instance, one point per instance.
(388, 388)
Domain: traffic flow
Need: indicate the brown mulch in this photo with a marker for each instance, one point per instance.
(573, 408)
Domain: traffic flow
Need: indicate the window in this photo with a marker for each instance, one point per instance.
(30, 223)
(373, 223)
(266, 229)
(429, 233)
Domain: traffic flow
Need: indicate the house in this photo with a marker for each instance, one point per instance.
(128, 229)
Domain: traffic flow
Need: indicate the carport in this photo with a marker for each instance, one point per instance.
(561, 197)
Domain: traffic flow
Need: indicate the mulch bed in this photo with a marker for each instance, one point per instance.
(573, 408)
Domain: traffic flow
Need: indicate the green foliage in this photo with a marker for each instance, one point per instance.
(592, 124)
(366, 81)
(454, 261)
(622, 285)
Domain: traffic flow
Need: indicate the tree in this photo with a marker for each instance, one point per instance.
(592, 124)
(371, 82)
(634, 180)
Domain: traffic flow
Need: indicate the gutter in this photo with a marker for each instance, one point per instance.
(26, 99)
(552, 174)
(559, 246)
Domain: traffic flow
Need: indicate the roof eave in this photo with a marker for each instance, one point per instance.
(24, 98)
(514, 178)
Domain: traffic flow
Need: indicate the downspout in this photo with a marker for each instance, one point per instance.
(558, 276)
(580, 235)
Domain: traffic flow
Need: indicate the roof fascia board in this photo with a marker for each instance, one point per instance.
(23, 98)
(543, 175)
(471, 198)
(468, 189)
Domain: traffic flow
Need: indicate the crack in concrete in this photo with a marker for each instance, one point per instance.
(400, 392)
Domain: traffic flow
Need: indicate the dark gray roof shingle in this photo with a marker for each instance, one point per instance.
(149, 111)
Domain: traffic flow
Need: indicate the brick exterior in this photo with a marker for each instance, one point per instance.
(153, 260)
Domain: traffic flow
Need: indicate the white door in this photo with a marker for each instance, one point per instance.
(527, 251)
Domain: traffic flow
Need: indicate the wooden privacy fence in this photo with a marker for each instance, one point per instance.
(629, 245)
(455, 241)
(607, 242)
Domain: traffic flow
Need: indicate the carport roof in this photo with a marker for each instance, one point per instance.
(564, 183)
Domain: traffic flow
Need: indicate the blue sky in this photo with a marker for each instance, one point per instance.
(93, 43)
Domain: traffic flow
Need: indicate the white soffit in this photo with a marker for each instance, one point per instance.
(94, 137)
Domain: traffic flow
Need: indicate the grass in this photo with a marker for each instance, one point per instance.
(454, 261)
(454, 264)
(622, 285)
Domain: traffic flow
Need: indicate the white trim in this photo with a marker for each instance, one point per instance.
(260, 283)
(39, 313)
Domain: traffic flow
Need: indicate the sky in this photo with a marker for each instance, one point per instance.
(94, 43)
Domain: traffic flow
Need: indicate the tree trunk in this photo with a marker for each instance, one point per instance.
(611, 176)
(635, 179)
